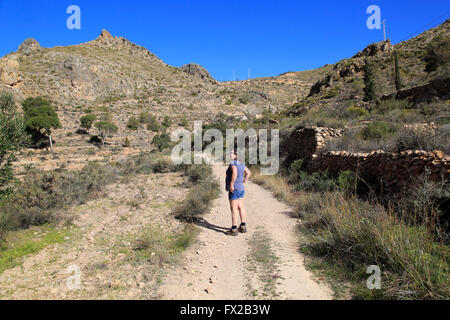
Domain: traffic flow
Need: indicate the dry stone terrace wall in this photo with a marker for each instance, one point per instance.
(395, 170)
(305, 142)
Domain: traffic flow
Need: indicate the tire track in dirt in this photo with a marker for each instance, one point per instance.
(217, 266)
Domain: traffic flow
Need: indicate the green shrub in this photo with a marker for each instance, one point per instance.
(386, 106)
(198, 172)
(296, 170)
(437, 53)
(347, 182)
(127, 143)
(161, 141)
(244, 100)
(153, 124)
(163, 165)
(377, 130)
(183, 122)
(316, 181)
(198, 200)
(145, 117)
(333, 92)
(43, 195)
(167, 121)
(356, 112)
(133, 123)
(308, 203)
(204, 189)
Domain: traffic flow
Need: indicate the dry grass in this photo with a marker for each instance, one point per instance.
(355, 234)
(281, 189)
(344, 235)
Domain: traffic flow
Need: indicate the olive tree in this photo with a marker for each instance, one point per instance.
(105, 129)
(12, 136)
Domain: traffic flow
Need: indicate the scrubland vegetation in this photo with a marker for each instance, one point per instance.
(344, 229)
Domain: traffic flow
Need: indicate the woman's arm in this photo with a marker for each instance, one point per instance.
(247, 174)
(233, 178)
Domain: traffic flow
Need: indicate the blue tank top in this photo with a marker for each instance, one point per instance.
(239, 183)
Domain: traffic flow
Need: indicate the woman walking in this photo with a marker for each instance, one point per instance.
(237, 176)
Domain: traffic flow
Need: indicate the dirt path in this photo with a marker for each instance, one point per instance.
(264, 263)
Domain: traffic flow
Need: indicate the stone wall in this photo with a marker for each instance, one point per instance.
(395, 170)
(305, 142)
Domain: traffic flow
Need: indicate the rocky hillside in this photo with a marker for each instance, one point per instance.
(112, 72)
(341, 84)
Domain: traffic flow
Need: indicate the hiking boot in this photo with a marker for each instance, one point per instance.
(242, 229)
(232, 232)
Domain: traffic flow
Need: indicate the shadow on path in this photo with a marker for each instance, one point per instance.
(205, 224)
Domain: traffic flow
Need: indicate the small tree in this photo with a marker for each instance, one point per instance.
(87, 121)
(369, 81)
(12, 136)
(105, 129)
(34, 102)
(398, 80)
(40, 121)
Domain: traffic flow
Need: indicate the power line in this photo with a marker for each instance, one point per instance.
(408, 37)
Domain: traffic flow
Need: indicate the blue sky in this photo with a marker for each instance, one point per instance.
(269, 37)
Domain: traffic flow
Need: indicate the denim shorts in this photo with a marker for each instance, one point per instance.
(236, 195)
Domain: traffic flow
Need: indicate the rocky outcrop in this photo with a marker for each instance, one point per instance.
(29, 46)
(197, 71)
(341, 70)
(375, 49)
(348, 68)
(105, 39)
(9, 72)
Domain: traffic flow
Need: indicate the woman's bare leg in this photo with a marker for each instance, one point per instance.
(234, 205)
(242, 212)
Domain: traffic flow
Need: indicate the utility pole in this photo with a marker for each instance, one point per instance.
(248, 78)
(384, 29)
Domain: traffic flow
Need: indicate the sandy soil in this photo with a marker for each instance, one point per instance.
(100, 246)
